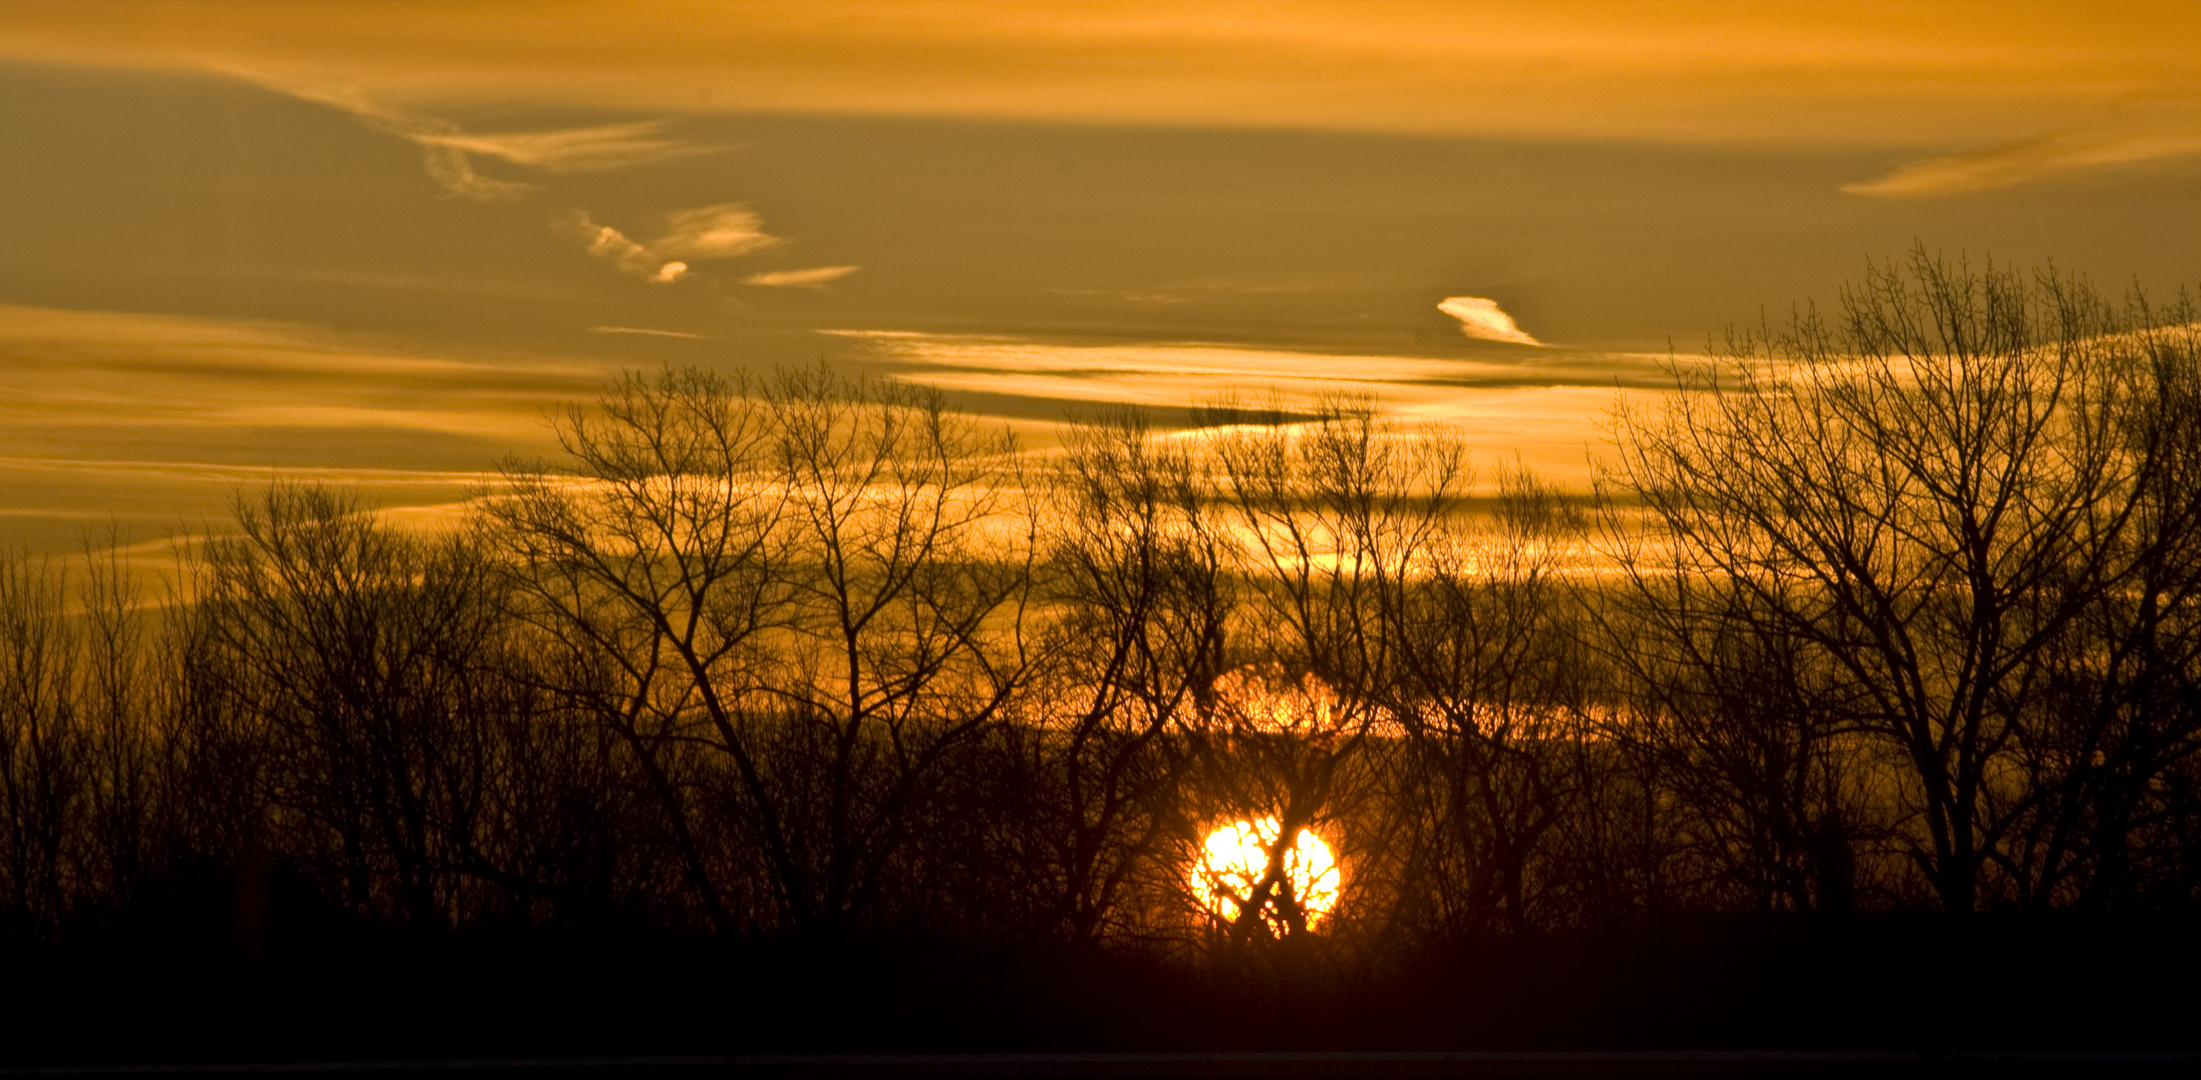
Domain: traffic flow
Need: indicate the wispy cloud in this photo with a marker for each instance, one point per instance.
(447, 150)
(153, 420)
(588, 149)
(1481, 318)
(620, 250)
(1543, 410)
(447, 164)
(115, 387)
(2123, 142)
(815, 277)
(708, 232)
(1180, 374)
(720, 231)
(642, 330)
(713, 232)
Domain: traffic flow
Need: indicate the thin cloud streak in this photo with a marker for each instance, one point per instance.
(1546, 410)
(1010, 359)
(446, 149)
(721, 231)
(813, 278)
(576, 150)
(446, 163)
(105, 378)
(37, 338)
(153, 421)
(223, 473)
(2016, 163)
(713, 232)
(642, 330)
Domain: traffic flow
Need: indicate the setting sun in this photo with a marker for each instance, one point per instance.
(1235, 860)
(921, 536)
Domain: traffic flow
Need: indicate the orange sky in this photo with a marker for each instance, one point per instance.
(1860, 72)
(384, 237)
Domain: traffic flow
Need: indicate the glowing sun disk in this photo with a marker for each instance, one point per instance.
(1234, 861)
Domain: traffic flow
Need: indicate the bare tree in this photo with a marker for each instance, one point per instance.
(1137, 581)
(1285, 753)
(911, 593)
(651, 571)
(347, 646)
(1334, 516)
(1926, 496)
(2120, 701)
(1735, 725)
(1334, 513)
(123, 721)
(791, 611)
(1487, 683)
(42, 766)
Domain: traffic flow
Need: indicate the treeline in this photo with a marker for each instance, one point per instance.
(1894, 609)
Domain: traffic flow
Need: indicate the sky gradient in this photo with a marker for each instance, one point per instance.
(377, 243)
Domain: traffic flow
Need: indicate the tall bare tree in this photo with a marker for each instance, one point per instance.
(1927, 493)
(910, 629)
(794, 602)
(42, 761)
(124, 723)
(652, 568)
(1139, 595)
(1487, 683)
(1334, 515)
(347, 646)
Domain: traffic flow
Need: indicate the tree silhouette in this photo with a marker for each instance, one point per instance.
(1913, 508)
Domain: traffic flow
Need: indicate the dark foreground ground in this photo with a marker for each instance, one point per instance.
(1795, 996)
(1464, 1064)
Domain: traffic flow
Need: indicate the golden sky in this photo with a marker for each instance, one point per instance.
(385, 237)
(1869, 73)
